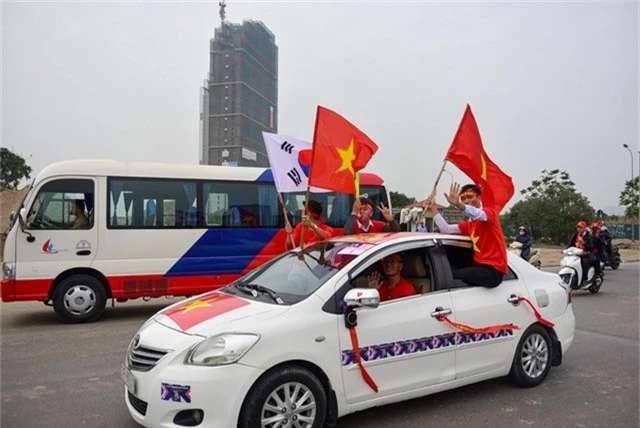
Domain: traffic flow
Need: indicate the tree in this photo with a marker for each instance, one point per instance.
(399, 200)
(551, 208)
(630, 197)
(13, 168)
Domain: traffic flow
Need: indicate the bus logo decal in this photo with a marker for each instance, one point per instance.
(49, 248)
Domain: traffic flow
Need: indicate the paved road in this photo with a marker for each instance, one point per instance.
(56, 375)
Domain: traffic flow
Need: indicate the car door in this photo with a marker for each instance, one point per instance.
(481, 307)
(403, 347)
(54, 245)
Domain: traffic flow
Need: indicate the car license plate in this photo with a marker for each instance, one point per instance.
(128, 378)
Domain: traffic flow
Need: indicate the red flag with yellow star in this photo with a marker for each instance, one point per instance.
(194, 311)
(339, 151)
(467, 153)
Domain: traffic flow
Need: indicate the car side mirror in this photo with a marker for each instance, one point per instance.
(358, 298)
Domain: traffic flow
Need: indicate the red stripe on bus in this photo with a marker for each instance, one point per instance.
(123, 287)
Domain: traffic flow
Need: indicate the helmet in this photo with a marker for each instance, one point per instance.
(595, 225)
(522, 228)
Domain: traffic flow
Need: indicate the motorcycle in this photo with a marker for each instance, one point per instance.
(613, 260)
(535, 257)
(571, 272)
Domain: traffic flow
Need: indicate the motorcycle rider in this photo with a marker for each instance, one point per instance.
(598, 246)
(581, 239)
(525, 239)
(606, 237)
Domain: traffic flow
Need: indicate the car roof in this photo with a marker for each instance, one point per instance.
(390, 237)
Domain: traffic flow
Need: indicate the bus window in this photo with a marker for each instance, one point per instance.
(150, 203)
(54, 205)
(241, 205)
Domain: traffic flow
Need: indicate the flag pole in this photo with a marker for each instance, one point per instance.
(435, 185)
(286, 217)
(313, 155)
(284, 209)
(306, 206)
(357, 185)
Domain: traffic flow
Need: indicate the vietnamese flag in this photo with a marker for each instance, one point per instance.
(194, 311)
(467, 153)
(339, 151)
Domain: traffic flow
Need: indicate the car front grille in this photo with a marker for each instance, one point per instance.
(138, 404)
(143, 358)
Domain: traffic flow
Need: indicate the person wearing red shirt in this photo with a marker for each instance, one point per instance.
(395, 286)
(313, 225)
(483, 226)
(360, 219)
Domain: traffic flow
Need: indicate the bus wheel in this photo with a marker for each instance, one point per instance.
(79, 299)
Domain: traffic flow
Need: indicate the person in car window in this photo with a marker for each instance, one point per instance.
(315, 228)
(81, 221)
(395, 286)
(483, 226)
(360, 219)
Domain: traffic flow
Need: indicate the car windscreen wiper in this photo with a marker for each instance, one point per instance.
(253, 289)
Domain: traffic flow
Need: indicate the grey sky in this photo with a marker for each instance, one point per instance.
(552, 85)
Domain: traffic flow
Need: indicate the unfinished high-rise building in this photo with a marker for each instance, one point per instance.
(239, 99)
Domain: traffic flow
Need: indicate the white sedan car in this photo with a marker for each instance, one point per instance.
(276, 348)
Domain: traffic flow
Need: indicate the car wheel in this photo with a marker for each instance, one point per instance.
(287, 397)
(79, 299)
(532, 361)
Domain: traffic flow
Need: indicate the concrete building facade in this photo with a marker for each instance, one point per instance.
(239, 99)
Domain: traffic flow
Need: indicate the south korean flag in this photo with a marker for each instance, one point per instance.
(289, 174)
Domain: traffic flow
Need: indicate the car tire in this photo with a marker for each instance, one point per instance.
(533, 357)
(79, 299)
(269, 393)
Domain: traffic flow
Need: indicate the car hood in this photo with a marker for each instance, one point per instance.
(214, 312)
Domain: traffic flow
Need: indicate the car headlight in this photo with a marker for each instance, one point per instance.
(226, 348)
(9, 270)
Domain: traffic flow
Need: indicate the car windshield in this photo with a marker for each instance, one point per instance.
(297, 274)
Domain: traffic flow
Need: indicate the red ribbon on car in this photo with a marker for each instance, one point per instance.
(474, 330)
(495, 328)
(538, 315)
(356, 351)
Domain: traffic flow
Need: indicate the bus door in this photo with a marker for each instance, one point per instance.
(60, 220)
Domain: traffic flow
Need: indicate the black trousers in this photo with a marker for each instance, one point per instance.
(586, 262)
(479, 275)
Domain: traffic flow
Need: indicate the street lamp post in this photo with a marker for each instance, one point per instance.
(626, 146)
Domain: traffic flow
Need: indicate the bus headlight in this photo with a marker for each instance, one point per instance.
(226, 348)
(9, 270)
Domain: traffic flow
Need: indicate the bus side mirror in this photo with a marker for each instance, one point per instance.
(30, 237)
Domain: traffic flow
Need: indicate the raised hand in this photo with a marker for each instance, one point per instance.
(430, 204)
(288, 228)
(356, 207)
(386, 212)
(306, 221)
(454, 194)
(374, 280)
